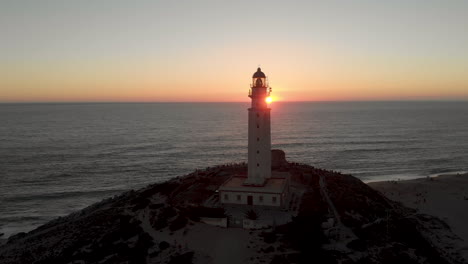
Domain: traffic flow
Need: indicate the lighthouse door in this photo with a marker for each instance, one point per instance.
(249, 200)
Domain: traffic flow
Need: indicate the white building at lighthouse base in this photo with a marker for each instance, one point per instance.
(274, 192)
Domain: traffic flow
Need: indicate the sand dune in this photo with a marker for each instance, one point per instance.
(444, 196)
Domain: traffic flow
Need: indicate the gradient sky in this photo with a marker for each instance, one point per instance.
(208, 50)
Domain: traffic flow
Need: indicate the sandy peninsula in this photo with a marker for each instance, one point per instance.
(443, 196)
(334, 218)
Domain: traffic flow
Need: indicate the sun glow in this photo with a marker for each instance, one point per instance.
(268, 99)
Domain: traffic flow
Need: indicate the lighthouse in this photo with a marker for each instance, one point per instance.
(259, 141)
(259, 186)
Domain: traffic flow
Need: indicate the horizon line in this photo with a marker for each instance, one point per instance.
(288, 101)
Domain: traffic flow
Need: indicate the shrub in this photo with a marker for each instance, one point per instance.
(178, 223)
(185, 258)
(163, 245)
(251, 214)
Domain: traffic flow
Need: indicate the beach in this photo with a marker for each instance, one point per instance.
(443, 196)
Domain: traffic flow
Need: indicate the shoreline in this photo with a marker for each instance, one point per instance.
(405, 177)
(444, 196)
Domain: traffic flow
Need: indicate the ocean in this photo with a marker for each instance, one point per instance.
(59, 158)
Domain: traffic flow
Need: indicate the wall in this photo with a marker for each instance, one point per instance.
(267, 198)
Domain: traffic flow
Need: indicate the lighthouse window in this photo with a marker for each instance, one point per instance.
(258, 126)
(258, 152)
(258, 164)
(258, 139)
(258, 83)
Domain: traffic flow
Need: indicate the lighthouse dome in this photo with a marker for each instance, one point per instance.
(259, 74)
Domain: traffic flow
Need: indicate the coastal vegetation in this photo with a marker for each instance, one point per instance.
(339, 220)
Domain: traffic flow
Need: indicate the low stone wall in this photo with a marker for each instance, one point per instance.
(222, 222)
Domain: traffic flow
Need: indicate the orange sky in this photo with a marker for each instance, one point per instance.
(209, 51)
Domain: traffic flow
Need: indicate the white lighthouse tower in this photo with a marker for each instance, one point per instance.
(261, 186)
(259, 157)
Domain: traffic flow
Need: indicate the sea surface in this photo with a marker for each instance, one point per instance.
(59, 158)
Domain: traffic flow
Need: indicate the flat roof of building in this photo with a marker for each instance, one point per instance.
(276, 184)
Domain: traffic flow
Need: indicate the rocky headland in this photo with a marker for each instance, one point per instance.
(336, 218)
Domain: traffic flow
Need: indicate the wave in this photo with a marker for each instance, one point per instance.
(25, 218)
(61, 195)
